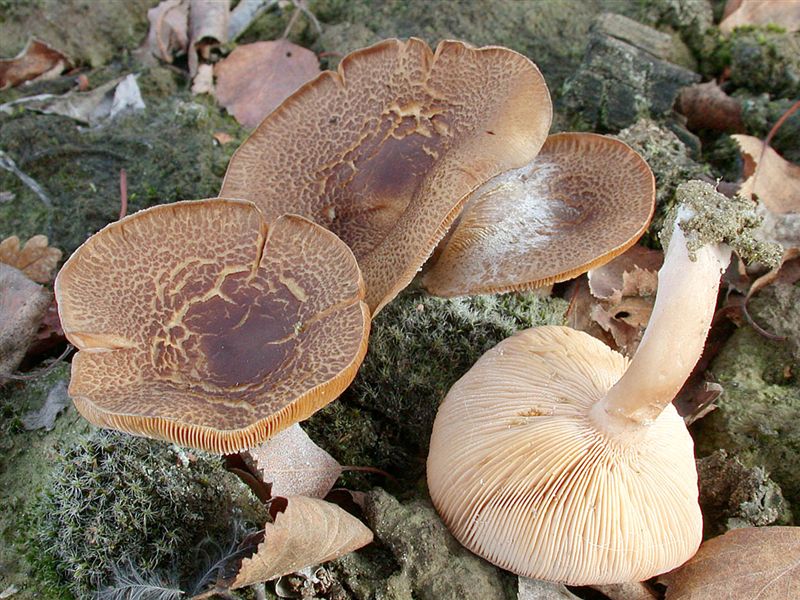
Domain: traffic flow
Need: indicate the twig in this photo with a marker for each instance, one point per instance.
(292, 21)
(123, 193)
(45, 370)
(9, 165)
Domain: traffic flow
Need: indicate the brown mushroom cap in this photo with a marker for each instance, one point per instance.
(384, 151)
(584, 199)
(197, 323)
(522, 475)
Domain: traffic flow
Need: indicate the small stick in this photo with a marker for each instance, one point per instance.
(123, 193)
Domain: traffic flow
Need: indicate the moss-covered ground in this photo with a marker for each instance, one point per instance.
(81, 509)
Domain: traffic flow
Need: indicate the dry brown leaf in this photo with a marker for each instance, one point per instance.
(306, 532)
(208, 24)
(255, 78)
(785, 13)
(706, 106)
(633, 273)
(754, 562)
(293, 464)
(169, 29)
(22, 304)
(36, 259)
(37, 59)
(774, 180)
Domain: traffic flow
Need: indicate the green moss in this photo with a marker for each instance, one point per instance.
(114, 500)
(553, 34)
(760, 59)
(167, 150)
(419, 347)
(669, 159)
(756, 418)
(88, 32)
(26, 458)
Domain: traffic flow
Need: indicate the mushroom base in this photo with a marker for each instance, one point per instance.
(522, 475)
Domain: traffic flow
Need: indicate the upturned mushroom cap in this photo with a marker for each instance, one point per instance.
(199, 324)
(523, 476)
(584, 199)
(384, 151)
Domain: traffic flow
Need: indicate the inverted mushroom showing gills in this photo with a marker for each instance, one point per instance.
(198, 323)
(583, 200)
(555, 458)
(384, 151)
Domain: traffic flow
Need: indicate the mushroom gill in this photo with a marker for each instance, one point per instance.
(384, 151)
(583, 200)
(198, 323)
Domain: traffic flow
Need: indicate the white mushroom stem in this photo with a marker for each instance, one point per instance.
(675, 336)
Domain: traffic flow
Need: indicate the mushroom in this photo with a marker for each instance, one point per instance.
(583, 200)
(557, 458)
(198, 323)
(384, 151)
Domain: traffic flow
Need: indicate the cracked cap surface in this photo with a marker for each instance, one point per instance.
(198, 323)
(384, 151)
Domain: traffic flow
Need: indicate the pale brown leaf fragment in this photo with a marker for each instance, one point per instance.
(293, 464)
(35, 60)
(169, 29)
(753, 562)
(36, 258)
(22, 305)
(308, 532)
(738, 13)
(536, 589)
(770, 177)
(255, 78)
(706, 106)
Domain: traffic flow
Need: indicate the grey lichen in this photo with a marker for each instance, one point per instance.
(717, 219)
(114, 499)
(733, 495)
(429, 563)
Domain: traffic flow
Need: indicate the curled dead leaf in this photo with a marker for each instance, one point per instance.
(293, 464)
(208, 26)
(307, 531)
(37, 59)
(169, 29)
(36, 258)
(753, 562)
(255, 78)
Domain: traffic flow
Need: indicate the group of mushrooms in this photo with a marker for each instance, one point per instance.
(217, 323)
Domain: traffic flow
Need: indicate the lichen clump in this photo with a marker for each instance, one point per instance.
(717, 219)
(115, 501)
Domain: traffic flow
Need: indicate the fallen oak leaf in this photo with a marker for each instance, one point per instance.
(36, 258)
(752, 562)
(770, 177)
(304, 531)
(37, 59)
(293, 464)
(255, 78)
